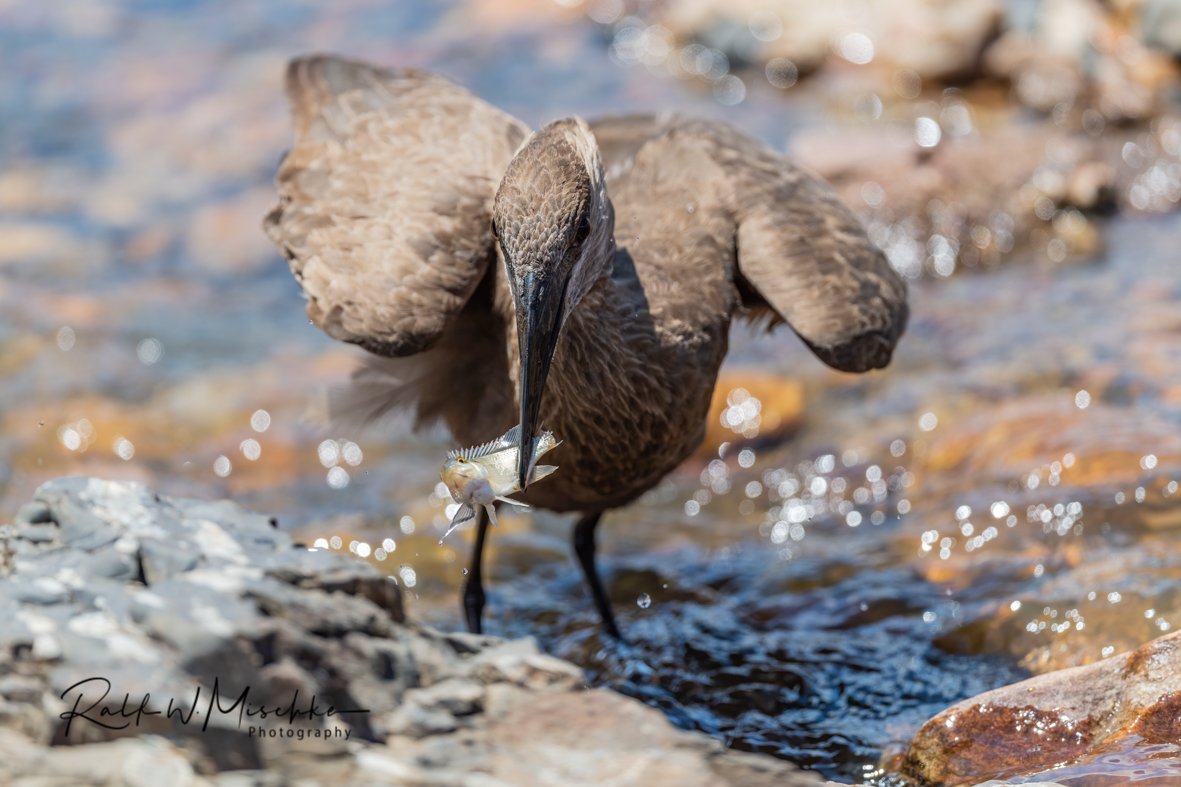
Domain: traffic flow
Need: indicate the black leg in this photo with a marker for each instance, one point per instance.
(584, 547)
(473, 589)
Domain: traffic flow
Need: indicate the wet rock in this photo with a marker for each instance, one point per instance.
(752, 406)
(1162, 25)
(129, 763)
(1026, 439)
(1063, 720)
(935, 40)
(127, 603)
(589, 738)
(972, 199)
(1080, 54)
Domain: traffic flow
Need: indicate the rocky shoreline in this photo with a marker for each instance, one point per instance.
(121, 609)
(150, 640)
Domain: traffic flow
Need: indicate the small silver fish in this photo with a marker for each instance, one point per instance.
(482, 475)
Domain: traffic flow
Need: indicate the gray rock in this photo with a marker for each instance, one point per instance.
(203, 632)
(161, 560)
(38, 533)
(33, 513)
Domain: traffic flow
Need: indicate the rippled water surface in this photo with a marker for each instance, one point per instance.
(951, 524)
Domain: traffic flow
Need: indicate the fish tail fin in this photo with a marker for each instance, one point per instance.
(465, 514)
(491, 514)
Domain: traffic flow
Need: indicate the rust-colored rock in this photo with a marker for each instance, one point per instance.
(776, 410)
(1125, 702)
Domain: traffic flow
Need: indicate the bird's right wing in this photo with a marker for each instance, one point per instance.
(385, 202)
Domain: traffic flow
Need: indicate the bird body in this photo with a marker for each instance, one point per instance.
(584, 276)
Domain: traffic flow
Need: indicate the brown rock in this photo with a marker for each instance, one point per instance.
(986, 193)
(777, 411)
(1056, 720)
(1015, 439)
(1091, 185)
(935, 40)
(1083, 54)
(600, 737)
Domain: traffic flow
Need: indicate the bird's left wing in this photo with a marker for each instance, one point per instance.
(802, 253)
(385, 202)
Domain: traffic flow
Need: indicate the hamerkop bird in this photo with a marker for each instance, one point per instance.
(583, 276)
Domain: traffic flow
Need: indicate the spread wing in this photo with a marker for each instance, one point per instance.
(804, 254)
(800, 252)
(385, 202)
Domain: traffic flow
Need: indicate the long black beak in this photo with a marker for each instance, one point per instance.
(539, 311)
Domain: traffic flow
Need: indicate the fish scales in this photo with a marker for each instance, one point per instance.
(487, 473)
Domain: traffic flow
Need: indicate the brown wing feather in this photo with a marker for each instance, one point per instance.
(801, 255)
(385, 201)
(803, 252)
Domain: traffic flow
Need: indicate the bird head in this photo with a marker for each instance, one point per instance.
(555, 230)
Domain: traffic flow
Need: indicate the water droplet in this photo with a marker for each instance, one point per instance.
(123, 447)
(927, 132)
(260, 421)
(338, 478)
(329, 453)
(149, 351)
(251, 449)
(782, 73)
(65, 338)
(644, 601)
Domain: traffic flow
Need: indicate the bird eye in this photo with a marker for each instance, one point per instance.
(583, 230)
(495, 234)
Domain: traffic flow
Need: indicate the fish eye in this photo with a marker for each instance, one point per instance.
(583, 230)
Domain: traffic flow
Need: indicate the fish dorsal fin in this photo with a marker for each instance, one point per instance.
(492, 446)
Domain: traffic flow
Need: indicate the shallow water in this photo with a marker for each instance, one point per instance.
(135, 173)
